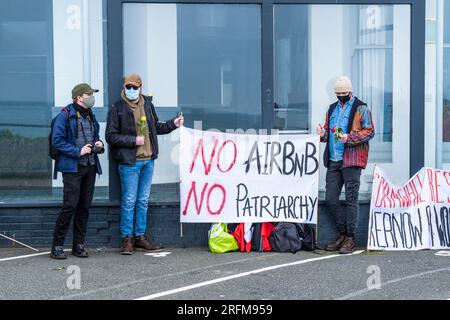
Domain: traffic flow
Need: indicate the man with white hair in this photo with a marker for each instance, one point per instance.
(347, 130)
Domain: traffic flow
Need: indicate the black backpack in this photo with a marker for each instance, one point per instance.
(285, 238)
(53, 153)
(256, 237)
(308, 235)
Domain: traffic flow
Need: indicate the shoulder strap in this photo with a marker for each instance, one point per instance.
(55, 168)
(66, 111)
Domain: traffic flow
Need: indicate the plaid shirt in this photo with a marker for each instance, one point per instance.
(361, 130)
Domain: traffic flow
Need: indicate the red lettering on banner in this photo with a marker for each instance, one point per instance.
(193, 190)
(234, 156)
(431, 184)
(377, 199)
(201, 148)
(199, 204)
(437, 185)
(386, 191)
(406, 196)
(395, 195)
(216, 213)
(416, 194)
(447, 179)
(420, 200)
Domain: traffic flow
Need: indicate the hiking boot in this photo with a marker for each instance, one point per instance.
(58, 253)
(79, 251)
(348, 246)
(141, 242)
(127, 246)
(337, 244)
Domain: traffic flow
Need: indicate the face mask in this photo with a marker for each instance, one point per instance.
(89, 101)
(132, 94)
(344, 99)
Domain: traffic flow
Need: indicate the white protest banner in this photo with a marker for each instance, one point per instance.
(235, 178)
(413, 216)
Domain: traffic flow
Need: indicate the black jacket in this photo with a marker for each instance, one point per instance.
(121, 130)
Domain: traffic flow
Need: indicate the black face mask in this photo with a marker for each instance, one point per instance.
(344, 99)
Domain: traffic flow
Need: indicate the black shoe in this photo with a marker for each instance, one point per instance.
(58, 253)
(79, 251)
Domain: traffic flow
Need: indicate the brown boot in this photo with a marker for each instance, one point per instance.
(348, 246)
(141, 242)
(337, 244)
(127, 246)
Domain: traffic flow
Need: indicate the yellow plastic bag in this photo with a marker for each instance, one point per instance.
(219, 240)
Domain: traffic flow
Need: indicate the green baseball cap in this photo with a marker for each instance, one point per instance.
(81, 89)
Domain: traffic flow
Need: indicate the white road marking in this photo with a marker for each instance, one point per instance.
(417, 275)
(239, 275)
(168, 275)
(158, 254)
(443, 253)
(27, 256)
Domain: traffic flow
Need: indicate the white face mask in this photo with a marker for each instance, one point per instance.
(132, 94)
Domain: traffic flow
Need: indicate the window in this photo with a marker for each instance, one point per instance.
(202, 59)
(446, 88)
(314, 44)
(41, 56)
(372, 69)
(291, 66)
(437, 85)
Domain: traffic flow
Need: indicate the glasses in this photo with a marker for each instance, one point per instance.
(130, 86)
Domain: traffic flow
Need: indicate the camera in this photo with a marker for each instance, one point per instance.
(97, 150)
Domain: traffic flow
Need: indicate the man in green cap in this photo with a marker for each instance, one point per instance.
(75, 136)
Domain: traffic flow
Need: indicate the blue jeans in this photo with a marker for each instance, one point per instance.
(136, 182)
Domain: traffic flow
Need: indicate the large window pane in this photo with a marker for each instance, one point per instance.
(47, 47)
(26, 97)
(446, 101)
(291, 67)
(314, 44)
(78, 27)
(203, 59)
(372, 67)
(446, 15)
(446, 86)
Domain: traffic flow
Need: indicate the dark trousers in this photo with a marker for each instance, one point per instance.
(337, 176)
(78, 194)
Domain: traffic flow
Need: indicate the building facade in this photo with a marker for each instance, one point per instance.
(240, 65)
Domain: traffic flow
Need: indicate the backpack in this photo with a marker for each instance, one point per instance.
(261, 234)
(285, 238)
(308, 235)
(53, 153)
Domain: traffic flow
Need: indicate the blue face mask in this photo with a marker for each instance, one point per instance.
(132, 94)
